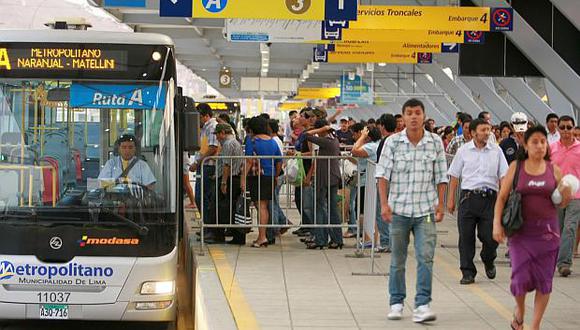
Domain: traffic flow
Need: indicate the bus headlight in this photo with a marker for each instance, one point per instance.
(152, 305)
(165, 287)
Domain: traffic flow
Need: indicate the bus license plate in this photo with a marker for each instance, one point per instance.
(54, 312)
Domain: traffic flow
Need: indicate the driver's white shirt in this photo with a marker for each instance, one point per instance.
(140, 173)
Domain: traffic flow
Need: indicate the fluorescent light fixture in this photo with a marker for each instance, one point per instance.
(382, 64)
(316, 65)
(163, 287)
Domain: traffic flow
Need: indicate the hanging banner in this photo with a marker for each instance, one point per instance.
(316, 10)
(403, 35)
(355, 91)
(392, 47)
(363, 56)
(422, 18)
(502, 19)
(317, 93)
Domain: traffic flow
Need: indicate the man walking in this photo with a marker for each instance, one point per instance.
(566, 154)
(412, 173)
(481, 165)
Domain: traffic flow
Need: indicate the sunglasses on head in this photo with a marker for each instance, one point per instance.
(566, 127)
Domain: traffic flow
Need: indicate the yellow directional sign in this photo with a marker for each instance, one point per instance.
(422, 18)
(289, 106)
(260, 9)
(390, 47)
(317, 93)
(371, 56)
(441, 36)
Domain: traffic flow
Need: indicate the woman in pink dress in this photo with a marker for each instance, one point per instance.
(534, 247)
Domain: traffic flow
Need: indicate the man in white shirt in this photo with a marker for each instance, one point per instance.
(481, 165)
(552, 125)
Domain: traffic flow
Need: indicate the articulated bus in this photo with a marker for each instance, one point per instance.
(89, 175)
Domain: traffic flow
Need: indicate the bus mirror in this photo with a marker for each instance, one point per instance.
(190, 128)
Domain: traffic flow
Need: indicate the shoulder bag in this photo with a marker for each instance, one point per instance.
(512, 219)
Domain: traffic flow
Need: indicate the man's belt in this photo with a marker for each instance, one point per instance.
(483, 192)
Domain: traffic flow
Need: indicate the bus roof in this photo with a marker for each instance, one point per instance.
(86, 37)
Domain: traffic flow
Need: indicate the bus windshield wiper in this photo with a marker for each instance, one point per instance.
(143, 230)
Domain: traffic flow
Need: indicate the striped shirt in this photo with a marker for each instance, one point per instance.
(456, 143)
(207, 139)
(413, 173)
(230, 147)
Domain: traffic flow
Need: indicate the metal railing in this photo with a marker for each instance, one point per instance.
(286, 189)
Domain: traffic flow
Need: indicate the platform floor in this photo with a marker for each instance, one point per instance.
(285, 286)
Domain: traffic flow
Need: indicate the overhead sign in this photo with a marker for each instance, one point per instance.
(424, 58)
(175, 8)
(403, 35)
(98, 96)
(474, 37)
(422, 18)
(62, 59)
(225, 78)
(355, 91)
(432, 47)
(287, 31)
(316, 10)
(363, 56)
(126, 3)
(450, 48)
(502, 19)
(289, 106)
(317, 93)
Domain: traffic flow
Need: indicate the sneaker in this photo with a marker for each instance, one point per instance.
(423, 314)
(564, 271)
(396, 312)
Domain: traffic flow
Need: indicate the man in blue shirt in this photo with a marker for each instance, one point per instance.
(139, 172)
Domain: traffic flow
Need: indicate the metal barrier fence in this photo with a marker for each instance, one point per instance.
(308, 196)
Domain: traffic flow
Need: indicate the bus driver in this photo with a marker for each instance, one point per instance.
(127, 167)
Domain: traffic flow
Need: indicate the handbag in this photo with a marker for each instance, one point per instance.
(243, 215)
(512, 219)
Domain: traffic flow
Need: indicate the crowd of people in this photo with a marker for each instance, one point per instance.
(472, 165)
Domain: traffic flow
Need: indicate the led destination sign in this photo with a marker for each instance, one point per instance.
(62, 59)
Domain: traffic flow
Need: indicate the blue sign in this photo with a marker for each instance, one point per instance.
(126, 3)
(331, 33)
(449, 48)
(502, 19)
(143, 97)
(341, 10)
(214, 6)
(175, 8)
(320, 54)
(355, 91)
(249, 36)
(474, 37)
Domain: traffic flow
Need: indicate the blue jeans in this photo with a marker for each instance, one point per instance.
(383, 227)
(209, 188)
(322, 216)
(278, 217)
(569, 218)
(425, 233)
(307, 205)
(352, 219)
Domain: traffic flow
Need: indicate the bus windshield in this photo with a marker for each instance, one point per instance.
(86, 152)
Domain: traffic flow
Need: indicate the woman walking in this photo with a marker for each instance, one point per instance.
(534, 247)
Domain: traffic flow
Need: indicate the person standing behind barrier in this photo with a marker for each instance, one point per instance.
(412, 172)
(260, 175)
(481, 165)
(534, 247)
(305, 194)
(208, 147)
(365, 148)
(459, 140)
(566, 154)
(387, 125)
(327, 179)
(228, 176)
(361, 165)
(277, 216)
